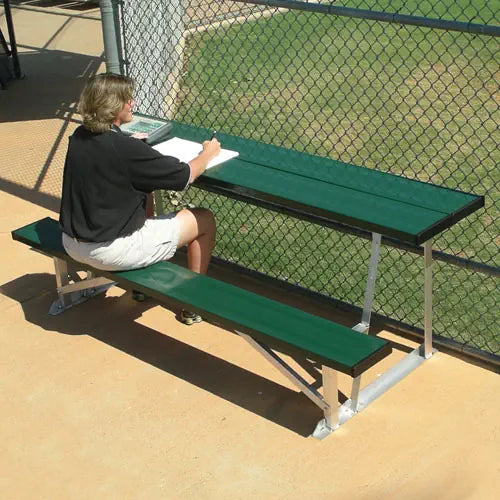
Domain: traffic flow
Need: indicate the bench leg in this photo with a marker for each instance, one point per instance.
(331, 394)
(328, 402)
(71, 294)
(356, 384)
(62, 279)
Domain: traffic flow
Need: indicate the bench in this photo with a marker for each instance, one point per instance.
(366, 202)
(266, 324)
(316, 189)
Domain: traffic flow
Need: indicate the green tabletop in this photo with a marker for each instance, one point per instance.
(409, 210)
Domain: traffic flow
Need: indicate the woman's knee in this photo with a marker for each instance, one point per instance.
(195, 222)
(206, 219)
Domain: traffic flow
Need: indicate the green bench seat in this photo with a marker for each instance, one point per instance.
(277, 325)
(266, 324)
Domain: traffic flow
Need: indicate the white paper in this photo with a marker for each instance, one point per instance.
(187, 150)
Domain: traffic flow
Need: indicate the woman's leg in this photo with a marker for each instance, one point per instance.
(150, 205)
(197, 231)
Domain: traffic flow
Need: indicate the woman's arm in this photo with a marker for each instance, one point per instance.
(198, 165)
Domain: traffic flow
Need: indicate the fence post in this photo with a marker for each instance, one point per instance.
(111, 35)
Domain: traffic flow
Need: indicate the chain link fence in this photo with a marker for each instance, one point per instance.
(405, 87)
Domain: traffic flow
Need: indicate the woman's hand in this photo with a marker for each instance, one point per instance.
(140, 135)
(211, 149)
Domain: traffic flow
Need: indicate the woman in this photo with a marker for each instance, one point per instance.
(107, 180)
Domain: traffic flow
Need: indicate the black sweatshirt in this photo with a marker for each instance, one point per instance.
(106, 179)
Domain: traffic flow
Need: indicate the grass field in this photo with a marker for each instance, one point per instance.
(413, 101)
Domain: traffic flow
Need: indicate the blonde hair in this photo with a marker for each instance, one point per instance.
(102, 99)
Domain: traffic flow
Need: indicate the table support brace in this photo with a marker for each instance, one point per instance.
(364, 326)
(361, 398)
(328, 402)
(428, 298)
(370, 285)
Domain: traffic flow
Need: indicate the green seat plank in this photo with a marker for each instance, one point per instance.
(383, 184)
(276, 324)
(364, 210)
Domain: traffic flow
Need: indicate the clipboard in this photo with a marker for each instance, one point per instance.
(186, 150)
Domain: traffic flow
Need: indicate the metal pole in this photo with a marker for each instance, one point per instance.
(370, 282)
(12, 39)
(287, 371)
(428, 298)
(330, 393)
(156, 67)
(111, 35)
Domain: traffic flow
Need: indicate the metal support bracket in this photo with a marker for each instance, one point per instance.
(328, 402)
(374, 390)
(428, 298)
(364, 325)
(287, 371)
(331, 394)
(382, 384)
(71, 294)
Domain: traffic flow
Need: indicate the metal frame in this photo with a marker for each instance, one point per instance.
(428, 298)
(335, 415)
(72, 293)
(359, 399)
(370, 285)
(12, 39)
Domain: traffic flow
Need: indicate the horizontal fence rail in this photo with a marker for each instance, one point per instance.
(386, 17)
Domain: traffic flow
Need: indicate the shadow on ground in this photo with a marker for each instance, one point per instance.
(50, 88)
(52, 85)
(248, 390)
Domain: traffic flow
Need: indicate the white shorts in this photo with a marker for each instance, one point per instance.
(154, 242)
